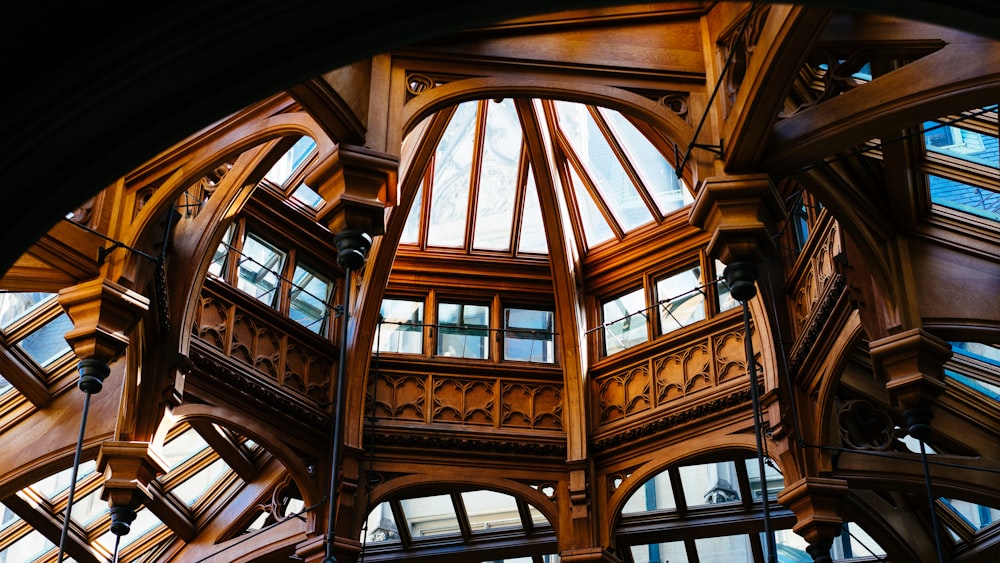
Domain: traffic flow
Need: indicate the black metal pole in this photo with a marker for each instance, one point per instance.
(772, 556)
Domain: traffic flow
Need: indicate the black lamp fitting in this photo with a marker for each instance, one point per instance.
(918, 422)
(742, 280)
(121, 519)
(93, 372)
(352, 248)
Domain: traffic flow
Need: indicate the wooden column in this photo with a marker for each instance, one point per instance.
(912, 363)
(816, 504)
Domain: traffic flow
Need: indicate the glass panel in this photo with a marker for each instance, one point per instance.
(790, 546)
(89, 508)
(681, 299)
(657, 174)
(182, 448)
(976, 515)
(984, 387)
(290, 161)
(726, 299)
(655, 494)
(528, 336)
(488, 510)
(498, 177)
(218, 264)
(48, 343)
(595, 227)
(308, 196)
(710, 483)
(260, 268)
(463, 330)
(963, 197)
(961, 143)
(27, 548)
(532, 236)
(411, 231)
(57, 483)
(450, 188)
(670, 552)
(5, 385)
(381, 525)
(401, 329)
(308, 299)
(724, 549)
(624, 322)
(775, 480)
(8, 517)
(984, 352)
(15, 305)
(854, 542)
(430, 516)
(192, 488)
(603, 166)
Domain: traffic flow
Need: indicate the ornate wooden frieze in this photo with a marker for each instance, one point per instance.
(483, 402)
(821, 313)
(818, 276)
(266, 346)
(387, 438)
(694, 368)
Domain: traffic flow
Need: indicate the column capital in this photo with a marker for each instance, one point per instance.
(128, 468)
(816, 502)
(103, 314)
(912, 363)
(742, 213)
(589, 555)
(356, 184)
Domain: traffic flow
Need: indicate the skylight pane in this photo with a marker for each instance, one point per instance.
(595, 228)
(411, 230)
(775, 480)
(976, 515)
(962, 143)
(308, 196)
(657, 174)
(8, 517)
(48, 343)
(532, 236)
(498, 177)
(603, 166)
(27, 548)
(983, 387)
(963, 197)
(88, 509)
(528, 335)
(674, 552)
(182, 448)
(655, 494)
(194, 487)
(260, 267)
(450, 189)
(51, 486)
(724, 549)
(15, 305)
(489, 510)
(984, 352)
(430, 516)
(144, 521)
(381, 525)
(290, 161)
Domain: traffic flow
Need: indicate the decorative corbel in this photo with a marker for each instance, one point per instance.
(816, 503)
(912, 363)
(128, 468)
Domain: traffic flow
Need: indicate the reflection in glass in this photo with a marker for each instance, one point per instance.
(528, 335)
(381, 525)
(532, 235)
(401, 329)
(681, 299)
(595, 227)
(964, 197)
(308, 196)
(498, 177)
(463, 330)
(48, 343)
(961, 143)
(15, 305)
(710, 483)
(489, 510)
(192, 488)
(430, 516)
(308, 299)
(452, 168)
(624, 321)
(290, 161)
(655, 494)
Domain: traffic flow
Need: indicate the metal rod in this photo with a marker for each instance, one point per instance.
(72, 482)
(772, 556)
(337, 427)
(930, 501)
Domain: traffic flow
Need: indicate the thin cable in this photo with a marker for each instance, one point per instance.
(338, 408)
(72, 482)
(114, 557)
(930, 501)
(772, 556)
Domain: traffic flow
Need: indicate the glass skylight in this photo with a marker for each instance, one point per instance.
(48, 343)
(290, 161)
(15, 305)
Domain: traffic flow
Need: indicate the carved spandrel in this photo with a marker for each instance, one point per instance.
(624, 394)
(463, 401)
(683, 372)
(400, 397)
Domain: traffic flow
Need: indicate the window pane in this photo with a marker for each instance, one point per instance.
(260, 268)
(724, 549)
(401, 329)
(775, 480)
(308, 196)
(963, 197)
(144, 521)
(710, 483)
(182, 448)
(595, 227)
(218, 265)
(89, 508)
(976, 515)
(191, 490)
(16, 304)
(657, 174)
(308, 299)
(961, 143)
(290, 161)
(528, 336)
(411, 231)
(986, 388)
(48, 343)
(624, 322)
(28, 548)
(57, 483)
(670, 552)
(488, 510)
(381, 525)
(726, 299)
(655, 494)
(430, 516)
(463, 330)
(498, 177)
(532, 236)
(452, 170)
(681, 299)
